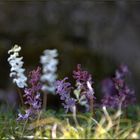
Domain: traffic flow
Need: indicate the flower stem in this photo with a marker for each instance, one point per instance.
(44, 101)
(91, 106)
(74, 115)
(21, 98)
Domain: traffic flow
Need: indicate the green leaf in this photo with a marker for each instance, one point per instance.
(77, 93)
(83, 100)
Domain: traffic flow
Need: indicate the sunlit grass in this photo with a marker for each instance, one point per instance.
(105, 124)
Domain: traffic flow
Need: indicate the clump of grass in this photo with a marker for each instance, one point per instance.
(112, 126)
(107, 124)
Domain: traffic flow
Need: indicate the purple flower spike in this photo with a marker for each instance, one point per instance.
(63, 89)
(32, 95)
(121, 91)
(84, 84)
(82, 77)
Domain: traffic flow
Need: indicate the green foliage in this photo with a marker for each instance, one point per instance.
(81, 100)
(105, 124)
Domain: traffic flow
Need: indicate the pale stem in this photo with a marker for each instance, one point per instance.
(91, 106)
(21, 98)
(44, 101)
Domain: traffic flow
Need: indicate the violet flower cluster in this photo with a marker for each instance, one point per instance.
(32, 95)
(83, 92)
(118, 90)
(63, 89)
(84, 81)
(84, 84)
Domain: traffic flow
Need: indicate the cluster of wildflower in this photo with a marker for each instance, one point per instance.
(16, 63)
(119, 90)
(32, 95)
(115, 89)
(83, 92)
(49, 68)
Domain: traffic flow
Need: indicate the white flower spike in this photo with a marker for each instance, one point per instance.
(16, 63)
(49, 68)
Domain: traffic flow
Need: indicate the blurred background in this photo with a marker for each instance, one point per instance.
(98, 34)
